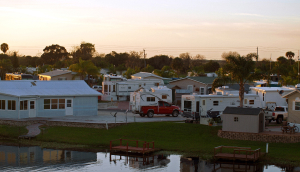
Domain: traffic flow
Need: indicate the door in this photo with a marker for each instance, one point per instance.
(32, 109)
(69, 106)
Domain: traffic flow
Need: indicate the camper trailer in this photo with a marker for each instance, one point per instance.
(271, 97)
(216, 103)
(157, 100)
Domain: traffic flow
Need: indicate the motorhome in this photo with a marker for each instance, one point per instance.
(202, 104)
(149, 97)
(271, 96)
(117, 88)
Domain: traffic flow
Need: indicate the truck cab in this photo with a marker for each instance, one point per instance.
(162, 108)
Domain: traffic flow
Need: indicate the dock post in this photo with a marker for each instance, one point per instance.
(267, 147)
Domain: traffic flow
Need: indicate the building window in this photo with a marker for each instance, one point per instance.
(251, 102)
(23, 105)
(54, 103)
(236, 119)
(150, 99)
(216, 103)
(202, 90)
(203, 102)
(164, 96)
(11, 105)
(105, 88)
(156, 84)
(245, 101)
(129, 87)
(2, 104)
(114, 88)
(297, 105)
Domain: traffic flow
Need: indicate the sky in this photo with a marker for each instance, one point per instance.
(168, 27)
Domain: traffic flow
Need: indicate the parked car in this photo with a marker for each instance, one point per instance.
(162, 108)
(97, 87)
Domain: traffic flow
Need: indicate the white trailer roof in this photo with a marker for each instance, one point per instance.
(25, 88)
(272, 88)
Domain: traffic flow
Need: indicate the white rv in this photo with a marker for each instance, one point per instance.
(149, 97)
(201, 104)
(115, 87)
(271, 96)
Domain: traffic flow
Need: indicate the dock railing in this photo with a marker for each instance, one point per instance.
(246, 151)
(146, 145)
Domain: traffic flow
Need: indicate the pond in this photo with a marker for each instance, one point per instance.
(13, 158)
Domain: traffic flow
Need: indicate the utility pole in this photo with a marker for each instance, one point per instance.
(257, 55)
(144, 58)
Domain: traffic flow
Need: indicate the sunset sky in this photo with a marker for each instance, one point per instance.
(166, 27)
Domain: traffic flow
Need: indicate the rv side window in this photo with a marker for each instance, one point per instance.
(150, 99)
(157, 84)
(216, 103)
(251, 102)
(203, 102)
(245, 101)
(187, 105)
(164, 96)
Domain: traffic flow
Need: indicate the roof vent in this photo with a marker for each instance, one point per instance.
(33, 84)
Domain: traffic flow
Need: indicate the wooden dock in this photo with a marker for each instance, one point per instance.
(147, 147)
(237, 153)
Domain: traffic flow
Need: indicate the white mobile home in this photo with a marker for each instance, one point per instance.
(271, 95)
(216, 103)
(26, 99)
(115, 87)
(145, 97)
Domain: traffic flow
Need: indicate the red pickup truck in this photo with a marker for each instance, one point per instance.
(162, 108)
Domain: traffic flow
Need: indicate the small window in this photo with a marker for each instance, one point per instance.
(187, 106)
(245, 101)
(32, 104)
(11, 105)
(69, 103)
(61, 103)
(140, 85)
(2, 104)
(46, 103)
(216, 103)
(251, 102)
(236, 119)
(203, 102)
(164, 97)
(202, 90)
(129, 87)
(114, 88)
(150, 99)
(23, 105)
(105, 88)
(54, 103)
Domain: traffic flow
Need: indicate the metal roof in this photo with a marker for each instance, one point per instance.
(25, 88)
(205, 80)
(146, 74)
(56, 72)
(242, 111)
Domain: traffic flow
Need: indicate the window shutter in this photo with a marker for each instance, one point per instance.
(293, 105)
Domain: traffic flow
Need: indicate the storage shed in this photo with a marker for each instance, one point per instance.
(248, 120)
(26, 99)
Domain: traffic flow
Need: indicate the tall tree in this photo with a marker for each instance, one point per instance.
(186, 61)
(241, 69)
(4, 47)
(211, 66)
(177, 65)
(85, 51)
(5, 67)
(54, 53)
(15, 60)
(290, 55)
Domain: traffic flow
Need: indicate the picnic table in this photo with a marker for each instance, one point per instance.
(285, 128)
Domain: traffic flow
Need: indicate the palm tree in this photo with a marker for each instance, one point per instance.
(238, 69)
(85, 68)
(290, 55)
(4, 47)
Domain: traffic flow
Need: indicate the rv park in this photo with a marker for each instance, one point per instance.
(84, 107)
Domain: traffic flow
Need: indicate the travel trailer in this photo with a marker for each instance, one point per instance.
(271, 97)
(117, 88)
(146, 97)
(216, 103)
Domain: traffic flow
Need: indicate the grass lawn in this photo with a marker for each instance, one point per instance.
(183, 138)
(11, 131)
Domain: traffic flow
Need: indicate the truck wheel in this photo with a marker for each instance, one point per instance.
(150, 114)
(279, 120)
(175, 113)
(142, 115)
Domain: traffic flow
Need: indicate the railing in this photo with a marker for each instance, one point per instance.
(146, 145)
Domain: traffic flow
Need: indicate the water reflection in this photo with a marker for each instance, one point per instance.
(14, 158)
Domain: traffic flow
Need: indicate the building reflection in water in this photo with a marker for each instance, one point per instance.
(19, 156)
(140, 161)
